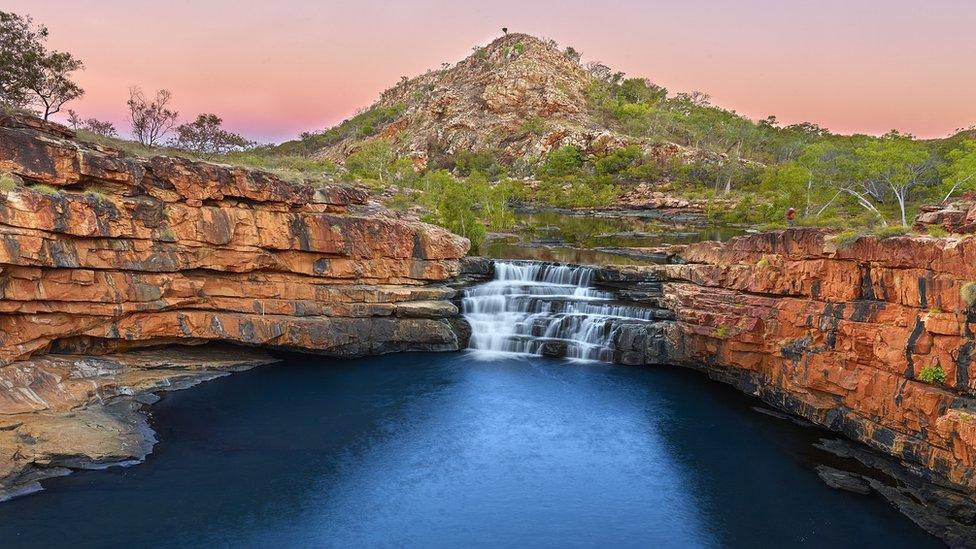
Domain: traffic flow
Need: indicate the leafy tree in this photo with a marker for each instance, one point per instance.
(466, 163)
(51, 83)
(101, 127)
(151, 118)
(828, 166)
(93, 125)
(962, 168)
(454, 204)
(21, 49)
(641, 90)
(374, 160)
(618, 160)
(897, 162)
(572, 54)
(206, 136)
(564, 161)
(30, 75)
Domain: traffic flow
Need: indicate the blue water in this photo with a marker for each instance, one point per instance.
(439, 450)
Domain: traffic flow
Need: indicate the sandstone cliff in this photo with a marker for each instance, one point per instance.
(837, 334)
(103, 253)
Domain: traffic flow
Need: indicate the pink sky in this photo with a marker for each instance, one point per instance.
(275, 68)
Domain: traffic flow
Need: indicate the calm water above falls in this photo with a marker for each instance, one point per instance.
(432, 450)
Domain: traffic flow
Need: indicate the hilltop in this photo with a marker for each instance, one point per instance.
(519, 97)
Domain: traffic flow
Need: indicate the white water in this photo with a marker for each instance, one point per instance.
(529, 305)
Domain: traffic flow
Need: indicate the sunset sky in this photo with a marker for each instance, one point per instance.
(275, 68)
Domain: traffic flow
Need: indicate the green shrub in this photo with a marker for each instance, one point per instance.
(762, 263)
(96, 195)
(846, 239)
(564, 161)
(937, 231)
(9, 181)
(934, 375)
(618, 161)
(535, 125)
(722, 332)
(466, 163)
(47, 189)
(968, 293)
(890, 231)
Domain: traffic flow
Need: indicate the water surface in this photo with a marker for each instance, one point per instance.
(588, 237)
(441, 450)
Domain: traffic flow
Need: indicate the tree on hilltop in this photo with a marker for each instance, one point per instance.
(205, 136)
(151, 118)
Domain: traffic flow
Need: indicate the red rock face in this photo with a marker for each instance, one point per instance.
(840, 335)
(132, 252)
(956, 216)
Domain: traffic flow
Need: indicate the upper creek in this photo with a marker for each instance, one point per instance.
(444, 449)
(599, 237)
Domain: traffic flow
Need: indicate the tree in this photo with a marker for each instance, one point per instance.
(74, 120)
(308, 144)
(51, 82)
(737, 134)
(374, 160)
(21, 49)
(564, 161)
(93, 125)
(151, 118)
(827, 166)
(206, 136)
(962, 167)
(454, 203)
(100, 127)
(30, 75)
(897, 162)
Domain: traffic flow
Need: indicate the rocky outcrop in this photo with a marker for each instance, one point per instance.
(60, 412)
(519, 96)
(956, 216)
(104, 253)
(873, 339)
(114, 252)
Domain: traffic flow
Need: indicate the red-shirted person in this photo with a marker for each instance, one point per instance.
(790, 215)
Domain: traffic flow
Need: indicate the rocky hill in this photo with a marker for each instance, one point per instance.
(518, 96)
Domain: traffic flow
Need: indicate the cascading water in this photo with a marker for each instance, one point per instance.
(539, 308)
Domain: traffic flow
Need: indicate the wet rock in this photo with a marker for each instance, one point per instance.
(63, 412)
(843, 480)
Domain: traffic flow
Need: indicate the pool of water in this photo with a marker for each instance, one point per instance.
(585, 237)
(444, 450)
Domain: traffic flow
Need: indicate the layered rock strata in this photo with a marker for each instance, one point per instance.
(873, 339)
(101, 254)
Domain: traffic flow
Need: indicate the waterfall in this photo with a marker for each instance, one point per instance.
(539, 308)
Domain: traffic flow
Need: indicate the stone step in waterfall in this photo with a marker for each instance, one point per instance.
(549, 309)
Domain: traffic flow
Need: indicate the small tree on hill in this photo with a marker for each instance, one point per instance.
(51, 83)
(206, 136)
(151, 118)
